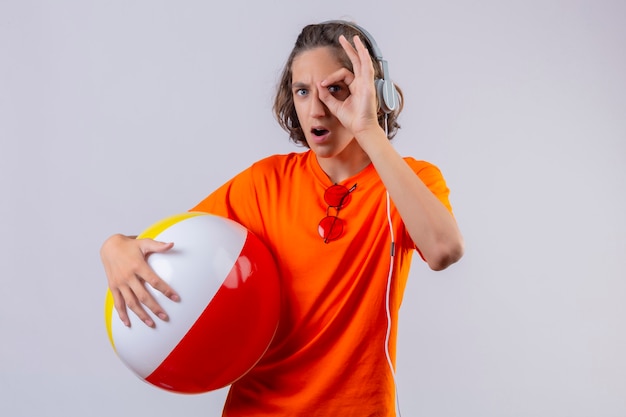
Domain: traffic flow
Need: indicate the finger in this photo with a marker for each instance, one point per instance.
(327, 98)
(365, 68)
(146, 297)
(120, 307)
(351, 52)
(358, 54)
(149, 246)
(146, 273)
(135, 304)
(342, 75)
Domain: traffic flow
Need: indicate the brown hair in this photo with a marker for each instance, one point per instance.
(314, 36)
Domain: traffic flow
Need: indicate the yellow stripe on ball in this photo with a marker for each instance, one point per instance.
(108, 312)
(153, 231)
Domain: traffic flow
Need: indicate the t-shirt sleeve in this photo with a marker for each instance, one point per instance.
(236, 200)
(432, 177)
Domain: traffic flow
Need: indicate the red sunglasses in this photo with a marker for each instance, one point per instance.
(331, 227)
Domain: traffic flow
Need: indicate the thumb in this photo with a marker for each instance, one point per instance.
(330, 101)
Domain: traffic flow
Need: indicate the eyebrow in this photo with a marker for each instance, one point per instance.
(298, 85)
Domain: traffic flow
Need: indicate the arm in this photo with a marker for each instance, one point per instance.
(124, 261)
(429, 223)
(431, 226)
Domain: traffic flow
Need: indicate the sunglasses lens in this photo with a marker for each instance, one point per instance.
(330, 228)
(337, 196)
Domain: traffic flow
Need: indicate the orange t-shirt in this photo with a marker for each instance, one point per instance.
(328, 356)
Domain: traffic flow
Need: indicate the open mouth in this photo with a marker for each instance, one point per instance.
(319, 132)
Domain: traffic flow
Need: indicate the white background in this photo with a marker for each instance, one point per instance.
(114, 114)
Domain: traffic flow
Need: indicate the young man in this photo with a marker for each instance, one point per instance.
(342, 220)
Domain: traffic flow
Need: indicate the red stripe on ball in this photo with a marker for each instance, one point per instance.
(232, 333)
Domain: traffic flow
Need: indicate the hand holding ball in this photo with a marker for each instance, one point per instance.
(227, 316)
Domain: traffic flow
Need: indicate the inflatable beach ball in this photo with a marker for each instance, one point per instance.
(228, 312)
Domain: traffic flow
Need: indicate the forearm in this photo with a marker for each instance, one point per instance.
(429, 223)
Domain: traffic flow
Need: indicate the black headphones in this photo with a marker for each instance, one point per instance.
(388, 97)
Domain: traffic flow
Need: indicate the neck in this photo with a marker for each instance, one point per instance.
(341, 167)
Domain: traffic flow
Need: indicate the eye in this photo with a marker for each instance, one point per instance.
(300, 92)
(339, 91)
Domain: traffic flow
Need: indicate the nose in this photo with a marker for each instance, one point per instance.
(317, 108)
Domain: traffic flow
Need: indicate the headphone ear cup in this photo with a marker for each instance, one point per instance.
(387, 95)
(380, 95)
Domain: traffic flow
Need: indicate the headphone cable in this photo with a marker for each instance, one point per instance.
(388, 308)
